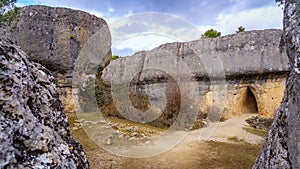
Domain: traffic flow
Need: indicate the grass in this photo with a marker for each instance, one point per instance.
(234, 156)
(208, 155)
(132, 123)
(258, 132)
(235, 139)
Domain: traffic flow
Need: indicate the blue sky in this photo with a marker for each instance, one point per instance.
(222, 15)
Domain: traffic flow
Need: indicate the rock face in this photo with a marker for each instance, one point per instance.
(247, 67)
(34, 128)
(281, 148)
(54, 38)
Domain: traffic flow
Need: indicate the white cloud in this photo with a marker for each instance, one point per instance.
(20, 4)
(111, 9)
(255, 19)
(144, 41)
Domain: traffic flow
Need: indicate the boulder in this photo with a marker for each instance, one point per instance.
(54, 37)
(34, 128)
(281, 148)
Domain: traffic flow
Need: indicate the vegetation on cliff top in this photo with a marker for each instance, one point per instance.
(8, 11)
(211, 33)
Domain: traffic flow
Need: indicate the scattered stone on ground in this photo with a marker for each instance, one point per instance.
(260, 122)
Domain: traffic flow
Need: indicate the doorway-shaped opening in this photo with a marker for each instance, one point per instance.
(249, 104)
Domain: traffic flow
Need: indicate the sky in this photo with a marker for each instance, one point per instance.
(172, 20)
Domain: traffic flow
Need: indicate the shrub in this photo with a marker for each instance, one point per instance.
(114, 57)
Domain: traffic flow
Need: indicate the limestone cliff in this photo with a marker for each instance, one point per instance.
(54, 38)
(281, 148)
(34, 128)
(247, 67)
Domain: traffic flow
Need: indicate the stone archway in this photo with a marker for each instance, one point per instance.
(249, 102)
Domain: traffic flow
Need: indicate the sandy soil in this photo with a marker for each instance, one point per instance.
(208, 147)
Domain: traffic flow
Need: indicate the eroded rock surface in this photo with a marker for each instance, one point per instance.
(54, 38)
(246, 67)
(281, 148)
(233, 56)
(34, 128)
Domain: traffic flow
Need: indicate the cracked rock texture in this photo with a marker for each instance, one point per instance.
(54, 38)
(247, 69)
(281, 148)
(34, 128)
(233, 56)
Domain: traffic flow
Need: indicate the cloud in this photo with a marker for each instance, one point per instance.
(254, 19)
(143, 42)
(151, 31)
(198, 12)
(110, 9)
(123, 51)
(262, 18)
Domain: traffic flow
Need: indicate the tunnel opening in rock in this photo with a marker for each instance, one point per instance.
(249, 104)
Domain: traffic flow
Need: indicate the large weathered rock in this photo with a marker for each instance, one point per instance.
(54, 38)
(247, 66)
(242, 54)
(34, 128)
(281, 148)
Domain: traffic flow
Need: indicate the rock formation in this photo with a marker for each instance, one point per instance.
(246, 67)
(54, 38)
(34, 128)
(281, 148)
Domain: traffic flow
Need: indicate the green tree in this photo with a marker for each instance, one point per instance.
(114, 57)
(211, 34)
(240, 29)
(8, 11)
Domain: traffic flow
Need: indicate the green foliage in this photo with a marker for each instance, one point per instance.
(8, 11)
(114, 57)
(211, 34)
(259, 132)
(72, 36)
(240, 29)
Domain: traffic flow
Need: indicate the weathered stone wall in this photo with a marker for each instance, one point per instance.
(261, 96)
(281, 147)
(248, 66)
(34, 128)
(233, 56)
(54, 38)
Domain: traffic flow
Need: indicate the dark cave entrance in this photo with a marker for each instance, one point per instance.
(249, 103)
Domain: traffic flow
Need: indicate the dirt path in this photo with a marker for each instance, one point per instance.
(231, 128)
(215, 151)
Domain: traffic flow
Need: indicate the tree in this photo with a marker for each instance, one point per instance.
(211, 33)
(114, 57)
(240, 29)
(8, 11)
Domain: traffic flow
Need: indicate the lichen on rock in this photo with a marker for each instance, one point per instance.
(34, 128)
(281, 147)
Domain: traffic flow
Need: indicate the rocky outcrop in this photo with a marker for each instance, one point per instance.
(243, 54)
(34, 128)
(281, 148)
(54, 38)
(246, 69)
